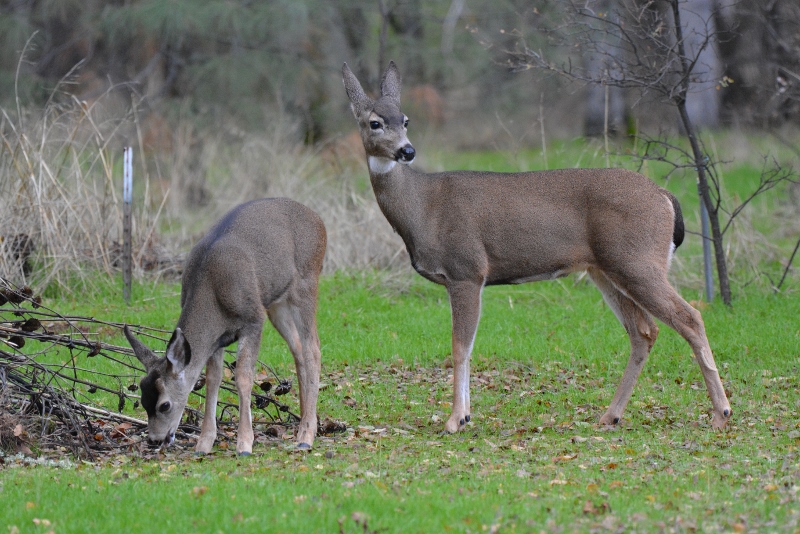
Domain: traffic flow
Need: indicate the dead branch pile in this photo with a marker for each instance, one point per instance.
(64, 389)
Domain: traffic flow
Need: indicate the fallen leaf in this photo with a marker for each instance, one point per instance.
(17, 431)
(199, 491)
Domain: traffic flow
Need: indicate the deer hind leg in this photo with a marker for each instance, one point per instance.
(660, 299)
(295, 320)
(208, 432)
(465, 304)
(642, 331)
(246, 357)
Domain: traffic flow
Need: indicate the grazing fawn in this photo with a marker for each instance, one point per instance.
(466, 230)
(263, 259)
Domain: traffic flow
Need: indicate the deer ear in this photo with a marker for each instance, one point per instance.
(359, 101)
(390, 85)
(142, 352)
(179, 353)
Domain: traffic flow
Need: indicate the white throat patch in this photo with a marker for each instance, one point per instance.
(380, 165)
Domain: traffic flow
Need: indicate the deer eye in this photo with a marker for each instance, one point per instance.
(405, 123)
(164, 406)
(375, 125)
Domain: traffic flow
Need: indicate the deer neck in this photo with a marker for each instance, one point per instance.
(400, 192)
(203, 342)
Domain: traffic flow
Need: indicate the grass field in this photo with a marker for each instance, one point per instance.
(546, 362)
(545, 366)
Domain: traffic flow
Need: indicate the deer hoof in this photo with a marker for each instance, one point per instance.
(245, 453)
(451, 427)
(608, 419)
(303, 447)
(719, 421)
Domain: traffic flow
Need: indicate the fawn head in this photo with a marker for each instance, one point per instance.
(383, 126)
(166, 387)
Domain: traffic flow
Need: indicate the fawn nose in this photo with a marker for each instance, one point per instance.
(407, 154)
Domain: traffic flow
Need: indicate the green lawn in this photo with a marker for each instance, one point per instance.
(546, 362)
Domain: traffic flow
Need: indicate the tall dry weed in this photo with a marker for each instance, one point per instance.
(61, 182)
(60, 196)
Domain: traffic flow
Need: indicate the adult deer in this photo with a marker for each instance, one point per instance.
(466, 230)
(262, 259)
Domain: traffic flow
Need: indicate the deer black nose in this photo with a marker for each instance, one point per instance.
(407, 153)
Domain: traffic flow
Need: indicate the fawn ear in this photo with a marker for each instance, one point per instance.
(359, 101)
(142, 352)
(390, 85)
(179, 353)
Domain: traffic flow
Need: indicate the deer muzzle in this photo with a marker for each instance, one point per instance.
(406, 154)
(162, 443)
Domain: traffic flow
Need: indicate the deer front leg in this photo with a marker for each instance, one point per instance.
(245, 369)
(465, 305)
(208, 431)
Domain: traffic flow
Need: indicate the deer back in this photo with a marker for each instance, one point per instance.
(245, 262)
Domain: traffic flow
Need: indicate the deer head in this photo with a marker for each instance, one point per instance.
(166, 387)
(383, 126)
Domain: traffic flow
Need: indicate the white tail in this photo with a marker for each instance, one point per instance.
(262, 259)
(466, 230)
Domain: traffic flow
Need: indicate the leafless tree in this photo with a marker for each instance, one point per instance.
(666, 48)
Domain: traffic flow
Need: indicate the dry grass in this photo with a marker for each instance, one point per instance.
(61, 182)
(59, 192)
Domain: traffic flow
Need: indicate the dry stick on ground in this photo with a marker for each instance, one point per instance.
(41, 389)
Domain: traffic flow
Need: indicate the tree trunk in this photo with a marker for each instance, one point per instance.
(699, 32)
(681, 103)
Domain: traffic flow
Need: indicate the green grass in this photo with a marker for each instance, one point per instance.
(546, 362)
